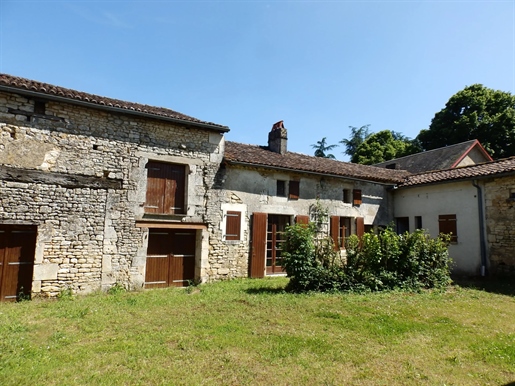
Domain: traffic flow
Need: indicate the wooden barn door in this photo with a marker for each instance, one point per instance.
(170, 258)
(17, 247)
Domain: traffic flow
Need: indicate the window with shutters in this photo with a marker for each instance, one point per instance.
(166, 187)
(447, 223)
(294, 190)
(356, 197)
(233, 225)
(340, 229)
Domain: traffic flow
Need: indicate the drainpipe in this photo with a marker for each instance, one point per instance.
(482, 242)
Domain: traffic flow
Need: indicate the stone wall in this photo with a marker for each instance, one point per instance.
(500, 224)
(79, 174)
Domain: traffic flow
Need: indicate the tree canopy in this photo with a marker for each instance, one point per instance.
(476, 112)
(384, 146)
(321, 149)
(357, 137)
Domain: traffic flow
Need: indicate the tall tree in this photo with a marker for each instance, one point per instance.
(384, 146)
(357, 137)
(321, 149)
(476, 112)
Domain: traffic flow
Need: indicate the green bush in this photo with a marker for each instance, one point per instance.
(387, 261)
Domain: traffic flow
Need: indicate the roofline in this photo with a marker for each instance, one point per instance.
(207, 126)
(309, 172)
(458, 179)
(481, 149)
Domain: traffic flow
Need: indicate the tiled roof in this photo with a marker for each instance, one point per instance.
(254, 155)
(26, 86)
(506, 165)
(436, 159)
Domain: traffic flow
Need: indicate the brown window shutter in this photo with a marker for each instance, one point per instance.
(356, 197)
(258, 245)
(302, 219)
(165, 188)
(335, 231)
(447, 223)
(360, 226)
(233, 225)
(294, 190)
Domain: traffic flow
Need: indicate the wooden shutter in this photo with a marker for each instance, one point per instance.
(302, 219)
(233, 225)
(447, 223)
(335, 231)
(356, 197)
(360, 226)
(165, 188)
(294, 190)
(258, 245)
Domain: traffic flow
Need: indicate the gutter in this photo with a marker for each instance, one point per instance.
(36, 94)
(309, 172)
(482, 241)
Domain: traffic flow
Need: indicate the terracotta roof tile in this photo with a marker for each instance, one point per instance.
(260, 156)
(96, 100)
(506, 165)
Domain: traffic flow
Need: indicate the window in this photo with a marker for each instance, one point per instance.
(346, 196)
(281, 188)
(447, 223)
(391, 166)
(165, 188)
(418, 222)
(233, 225)
(340, 230)
(402, 225)
(294, 190)
(39, 107)
(356, 197)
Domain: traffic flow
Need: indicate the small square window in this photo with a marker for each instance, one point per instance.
(346, 196)
(418, 222)
(356, 197)
(39, 107)
(281, 188)
(294, 187)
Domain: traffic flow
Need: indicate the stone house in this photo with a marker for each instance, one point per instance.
(475, 203)
(267, 187)
(96, 191)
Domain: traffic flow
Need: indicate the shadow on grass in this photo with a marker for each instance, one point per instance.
(266, 290)
(498, 285)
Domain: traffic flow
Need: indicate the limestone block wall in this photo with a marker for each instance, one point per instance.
(500, 224)
(79, 175)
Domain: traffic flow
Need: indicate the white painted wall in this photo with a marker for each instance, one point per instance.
(458, 198)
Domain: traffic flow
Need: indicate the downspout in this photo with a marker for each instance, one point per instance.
(482, 243)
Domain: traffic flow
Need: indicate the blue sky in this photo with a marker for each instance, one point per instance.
(321, 66)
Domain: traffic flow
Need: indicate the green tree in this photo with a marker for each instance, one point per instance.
(476, 112)
(384, 146)
(321, 149)
(357, 137)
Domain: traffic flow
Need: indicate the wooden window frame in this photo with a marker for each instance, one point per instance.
(293, 190)
(233, 225)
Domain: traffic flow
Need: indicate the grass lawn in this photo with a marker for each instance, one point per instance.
(252, 332)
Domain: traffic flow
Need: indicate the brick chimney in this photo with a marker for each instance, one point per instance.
(278, 138)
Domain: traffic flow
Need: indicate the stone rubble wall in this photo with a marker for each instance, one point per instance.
(500, 224)
(87, 238)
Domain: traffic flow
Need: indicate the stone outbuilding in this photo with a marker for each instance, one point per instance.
(96, 191)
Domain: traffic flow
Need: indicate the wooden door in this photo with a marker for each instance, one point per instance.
(258, 246)
(170, 258)
(17, 247)
(275, 239)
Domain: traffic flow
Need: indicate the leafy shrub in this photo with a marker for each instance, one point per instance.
(373, 263)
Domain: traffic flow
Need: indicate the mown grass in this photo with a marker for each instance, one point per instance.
(252, 332)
